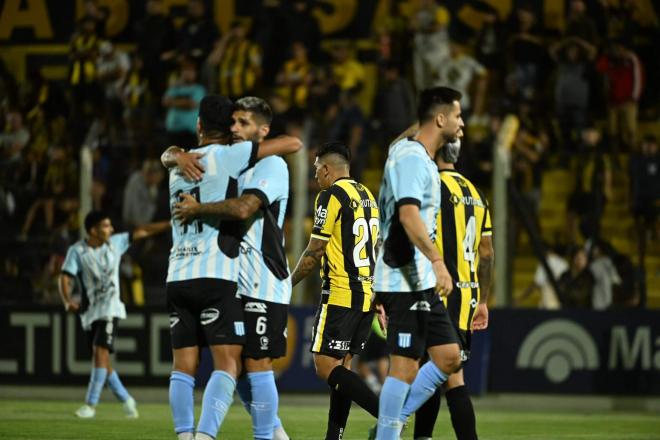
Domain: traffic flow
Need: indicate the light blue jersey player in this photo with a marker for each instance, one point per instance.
(93, 264)
(204, 306)
(264, 283)
(410, 272)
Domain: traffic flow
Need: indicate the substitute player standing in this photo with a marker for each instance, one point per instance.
(93, 263)
(465, 243)
(410, 272)
(263, 281)
(204, 306)
(343, 242)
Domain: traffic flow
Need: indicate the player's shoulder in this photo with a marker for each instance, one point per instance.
(272, 163)
(78, 246)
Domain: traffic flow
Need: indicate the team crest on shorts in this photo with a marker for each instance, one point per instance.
(405, 340)
(208, 316)
(239, 328)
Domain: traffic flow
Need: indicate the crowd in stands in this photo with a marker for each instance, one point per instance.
(578, 92)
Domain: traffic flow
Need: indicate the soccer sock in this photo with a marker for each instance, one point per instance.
(182, 402)
(96, 382)
(244, 392)
(426, 416)
(117, 387)
(218, 396)
(462, 413)
(392, 396)
(428, 379)
(350, 384)
(340, 407)
(264, 404)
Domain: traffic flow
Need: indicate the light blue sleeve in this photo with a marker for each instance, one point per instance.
(270, 178)
(239, 157)
(198, 94)
(409, 178)
(71, 263)
(120, 242)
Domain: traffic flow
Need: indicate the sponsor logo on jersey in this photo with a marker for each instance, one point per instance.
(405, 340)
(208, 316)
(467, 284)
(421, 306)
(339, 345)
(320, 216)
(255, 307)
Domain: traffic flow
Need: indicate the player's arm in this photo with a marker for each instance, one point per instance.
(412, 223)
(279, 146)
(188, 163)
(150, 229)
(485, 277)
(241, 208)
(65, 284)
(309, 260)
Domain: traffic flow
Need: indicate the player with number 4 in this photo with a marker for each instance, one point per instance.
(344, 235)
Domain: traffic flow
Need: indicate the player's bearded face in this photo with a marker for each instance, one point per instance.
(453, 128)
(244, 127)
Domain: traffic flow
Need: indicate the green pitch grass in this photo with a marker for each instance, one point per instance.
(54, 420)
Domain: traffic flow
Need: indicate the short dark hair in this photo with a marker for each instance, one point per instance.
(215, 114)
(94, 218)
(257, 106)
(431, 98)
(334, 147)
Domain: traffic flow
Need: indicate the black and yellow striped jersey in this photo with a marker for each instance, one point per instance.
(346, 215)
(239, 68)
(463, 219)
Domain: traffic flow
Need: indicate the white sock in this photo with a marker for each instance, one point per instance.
(280, 434)
(185, 436)
(202, 436)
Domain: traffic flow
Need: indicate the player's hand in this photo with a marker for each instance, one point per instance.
(443, 282)
(480, 320)
(71, 307)
(190, 166)
(185, 210)
(382, 318)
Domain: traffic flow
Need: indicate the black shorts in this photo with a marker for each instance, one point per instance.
(464, 342)
(265, 328)
(205, 311)
(103, 334)
(340, 330)
(416, 321)
(375, 348)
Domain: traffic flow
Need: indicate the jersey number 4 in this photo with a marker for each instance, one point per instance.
(363, 229)
(469, 253)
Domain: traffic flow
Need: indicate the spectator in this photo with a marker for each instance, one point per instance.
(572, 87)
(82, 77)
(239, 63)
(14, 139)
(605, 276)
(296, 77)
(593, 187)
(303, 26)
(182, 101)
(430, 23)
(155, 38)
(528, 57)
(141, 194)
(347, 71)
(112, 68)
(625, 76)
(549, 299)
(394, 107)
(136, 98)
(577, 283)
(579, 24)
(462, 72)
(645, 193)
(97, 14)
(198, 33)
(349, 126)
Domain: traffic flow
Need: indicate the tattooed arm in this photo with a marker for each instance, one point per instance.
(309, 260)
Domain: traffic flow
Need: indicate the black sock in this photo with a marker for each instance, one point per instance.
(462, 413)
(426, 416)
(340, 406)
(351, 386)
